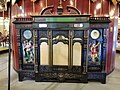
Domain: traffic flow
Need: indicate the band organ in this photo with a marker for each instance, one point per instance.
(62, 48)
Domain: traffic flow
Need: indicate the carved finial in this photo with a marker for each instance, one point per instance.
(60, 8)
(60, 4)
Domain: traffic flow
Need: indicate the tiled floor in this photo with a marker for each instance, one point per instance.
(113, 80)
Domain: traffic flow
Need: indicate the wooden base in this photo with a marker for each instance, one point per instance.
(97, 76)
(61, 74)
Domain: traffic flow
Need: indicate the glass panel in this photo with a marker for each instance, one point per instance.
(60, 54)
(44, 54)
(28, 51)
(77, 49)
(94, 54)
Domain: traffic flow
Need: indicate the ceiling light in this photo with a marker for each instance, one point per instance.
(98, 6)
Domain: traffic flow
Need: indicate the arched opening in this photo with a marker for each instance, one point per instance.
(44, 54)
(60, 54)
(77, 53)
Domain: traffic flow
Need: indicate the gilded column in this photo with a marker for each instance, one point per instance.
(70, 50)
(50, 47)
(85, 48)
(35, 49)
(19, 49)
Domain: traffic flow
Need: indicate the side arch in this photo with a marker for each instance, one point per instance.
(73, 9)
(49, 9)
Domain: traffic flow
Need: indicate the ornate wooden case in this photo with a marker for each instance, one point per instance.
(62, 48)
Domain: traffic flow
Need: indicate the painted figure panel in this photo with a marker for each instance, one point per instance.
(28, 51)
(94, 53)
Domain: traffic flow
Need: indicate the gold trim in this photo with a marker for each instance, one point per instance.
(16, 9)
(50, 47)
(70, 50)
(33, 8)
(89, 7)
(75, 3)
(46, 3)
(101, 7)
(23, 7)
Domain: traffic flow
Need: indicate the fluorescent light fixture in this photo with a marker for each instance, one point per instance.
(112, 12)
(42, 25)
(41, 4)
(95, 12)
(22, 15)
(20, 7)
(71, 2)
(25, 14)
(98, 6)
(106, 15)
